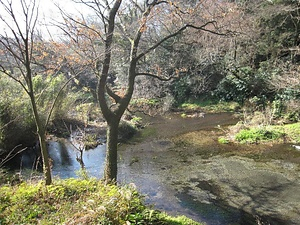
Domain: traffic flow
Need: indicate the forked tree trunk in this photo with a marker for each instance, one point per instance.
(111, 160)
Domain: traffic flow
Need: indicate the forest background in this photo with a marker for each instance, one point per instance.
(249, 54)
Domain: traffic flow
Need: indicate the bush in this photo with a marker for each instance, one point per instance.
(255, 135)
(46, 89)
(126, 131)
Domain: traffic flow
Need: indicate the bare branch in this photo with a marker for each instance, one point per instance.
(124, 32)
(2, 69)
(98, 8)
(56, 98)
(177, 33)
(80, 23)
(136, 5)
(11, 155)
(155, 76)
(110, 92)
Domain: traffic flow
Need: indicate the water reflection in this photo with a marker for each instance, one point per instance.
(65, 165)
(137, 168)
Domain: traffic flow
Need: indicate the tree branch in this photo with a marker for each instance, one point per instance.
(2, 69)
(154, 76)
(56, 98)
(11, 155)
(110, 92)
(177, 33)
(101, 86)
(67, 17)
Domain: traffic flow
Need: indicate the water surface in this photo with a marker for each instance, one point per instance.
(201, 183)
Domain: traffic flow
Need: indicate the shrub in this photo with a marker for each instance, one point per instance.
(254, 135)
(126, 131)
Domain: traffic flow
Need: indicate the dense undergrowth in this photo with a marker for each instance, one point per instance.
(78, 201)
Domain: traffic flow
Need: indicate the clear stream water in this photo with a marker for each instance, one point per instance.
(171, 182)
(159, 193)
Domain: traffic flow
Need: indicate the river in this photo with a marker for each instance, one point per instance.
(207, 183)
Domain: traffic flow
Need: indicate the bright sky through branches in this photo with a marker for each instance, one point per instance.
(48, 15)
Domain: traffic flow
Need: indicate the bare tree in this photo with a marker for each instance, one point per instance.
(21, 59)
(149, 17)
(18, 42)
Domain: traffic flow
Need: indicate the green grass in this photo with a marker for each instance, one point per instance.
(292, 131)
(210, 106)
(223, 140)
(78, 201)
(178, 220)
(144, 134)
(255, 135)
(279, 133)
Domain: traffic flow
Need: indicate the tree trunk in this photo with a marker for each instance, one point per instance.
(45, 157)
(111, 160)
(42, 139)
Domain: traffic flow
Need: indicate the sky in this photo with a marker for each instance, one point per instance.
(48, 14)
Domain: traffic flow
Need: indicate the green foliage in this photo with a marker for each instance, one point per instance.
(46, 90)
(255, 135)
(278, 108)
(147, 216)
(8, 178)
(223, 140)
(179, 220)
(190, 106)
(83, 174)
(292, 116)
(140, 102)
(211, 106)
(292, 132)
(181, 90)
(244, 83)
(279, 133)
(16, 124)
(196, 80)
(75, 201)
(136, 120)
(86, 111)
(183, 115)
(257, 63)
(281, 26)
(90, 141)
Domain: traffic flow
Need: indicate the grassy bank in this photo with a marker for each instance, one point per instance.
(78, 201)
(210, 106)
(271, 133)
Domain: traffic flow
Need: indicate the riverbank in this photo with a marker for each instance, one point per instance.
(78, 201)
